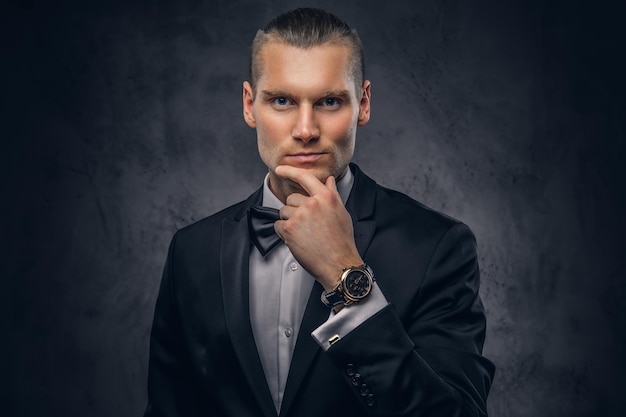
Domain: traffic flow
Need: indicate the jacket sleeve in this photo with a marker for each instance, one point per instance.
(428, 361)
(172, 390)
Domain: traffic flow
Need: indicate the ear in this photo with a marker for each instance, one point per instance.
(364, 105)
(248, 101)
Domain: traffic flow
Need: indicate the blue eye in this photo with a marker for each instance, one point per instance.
(331, 102)
(281, 101)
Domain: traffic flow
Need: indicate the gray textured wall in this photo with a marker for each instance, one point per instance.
(122, 122)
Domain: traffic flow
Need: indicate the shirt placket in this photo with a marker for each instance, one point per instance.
(287, 327)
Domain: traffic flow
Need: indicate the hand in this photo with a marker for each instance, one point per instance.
(317, 228)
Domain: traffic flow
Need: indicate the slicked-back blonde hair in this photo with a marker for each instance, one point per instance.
(305, 28)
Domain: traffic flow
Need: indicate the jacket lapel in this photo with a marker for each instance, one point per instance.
(234, 260)
(360, 205)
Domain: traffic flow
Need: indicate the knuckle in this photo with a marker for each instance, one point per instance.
(312, 204)
(327, 195)
(287, 228)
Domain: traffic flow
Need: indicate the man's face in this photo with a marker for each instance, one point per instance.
(305, 109)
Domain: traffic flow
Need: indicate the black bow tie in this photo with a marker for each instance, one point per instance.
(261, 226)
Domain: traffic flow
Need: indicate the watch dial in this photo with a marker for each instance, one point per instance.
(357, 284)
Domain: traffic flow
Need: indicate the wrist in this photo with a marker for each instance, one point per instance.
(338, 308)
(355, 284)
(333, 277)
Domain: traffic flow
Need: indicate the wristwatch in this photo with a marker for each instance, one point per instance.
(355, 285)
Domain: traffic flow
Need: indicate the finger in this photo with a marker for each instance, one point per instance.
(278, 227)
(295, 199)
(331, 184)
(303, 177)
(286, 212)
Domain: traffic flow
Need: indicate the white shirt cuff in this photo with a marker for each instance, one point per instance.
(349, 318)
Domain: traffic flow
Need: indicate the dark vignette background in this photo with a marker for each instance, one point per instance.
(121, 122)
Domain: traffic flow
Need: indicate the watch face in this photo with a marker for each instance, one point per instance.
(357, 284)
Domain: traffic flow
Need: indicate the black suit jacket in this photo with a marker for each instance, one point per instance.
(420, 356)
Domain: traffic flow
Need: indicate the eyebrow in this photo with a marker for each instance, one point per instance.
(328, 93)
(275, 93)
(336, 93)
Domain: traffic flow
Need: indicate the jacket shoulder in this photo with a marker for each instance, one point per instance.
(211, 225)
(392, 205)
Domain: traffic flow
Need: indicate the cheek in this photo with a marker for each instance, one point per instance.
(348, 142)
(344, 132)
(271, 129)
(266, 142)
(264, 145)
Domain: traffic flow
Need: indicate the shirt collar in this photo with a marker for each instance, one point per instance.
(344, 186)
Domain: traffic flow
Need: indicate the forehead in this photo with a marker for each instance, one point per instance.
(319, 68)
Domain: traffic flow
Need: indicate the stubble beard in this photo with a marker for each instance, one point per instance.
(284, 187)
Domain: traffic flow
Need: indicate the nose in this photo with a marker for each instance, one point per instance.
(306, 127)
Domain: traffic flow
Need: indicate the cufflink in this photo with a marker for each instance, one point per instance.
(334, 339)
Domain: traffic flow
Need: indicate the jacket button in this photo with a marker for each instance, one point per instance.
(364, 390)
(369, 400)
(356, 380)
(350, 370)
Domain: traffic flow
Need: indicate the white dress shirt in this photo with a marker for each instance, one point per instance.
(279, 291)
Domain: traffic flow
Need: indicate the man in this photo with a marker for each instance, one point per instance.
(367, 304)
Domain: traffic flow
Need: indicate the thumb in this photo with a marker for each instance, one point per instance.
(331, 184)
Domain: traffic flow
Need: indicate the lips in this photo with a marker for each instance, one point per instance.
(305, 158)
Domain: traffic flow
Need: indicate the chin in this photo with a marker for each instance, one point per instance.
(322, 174)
